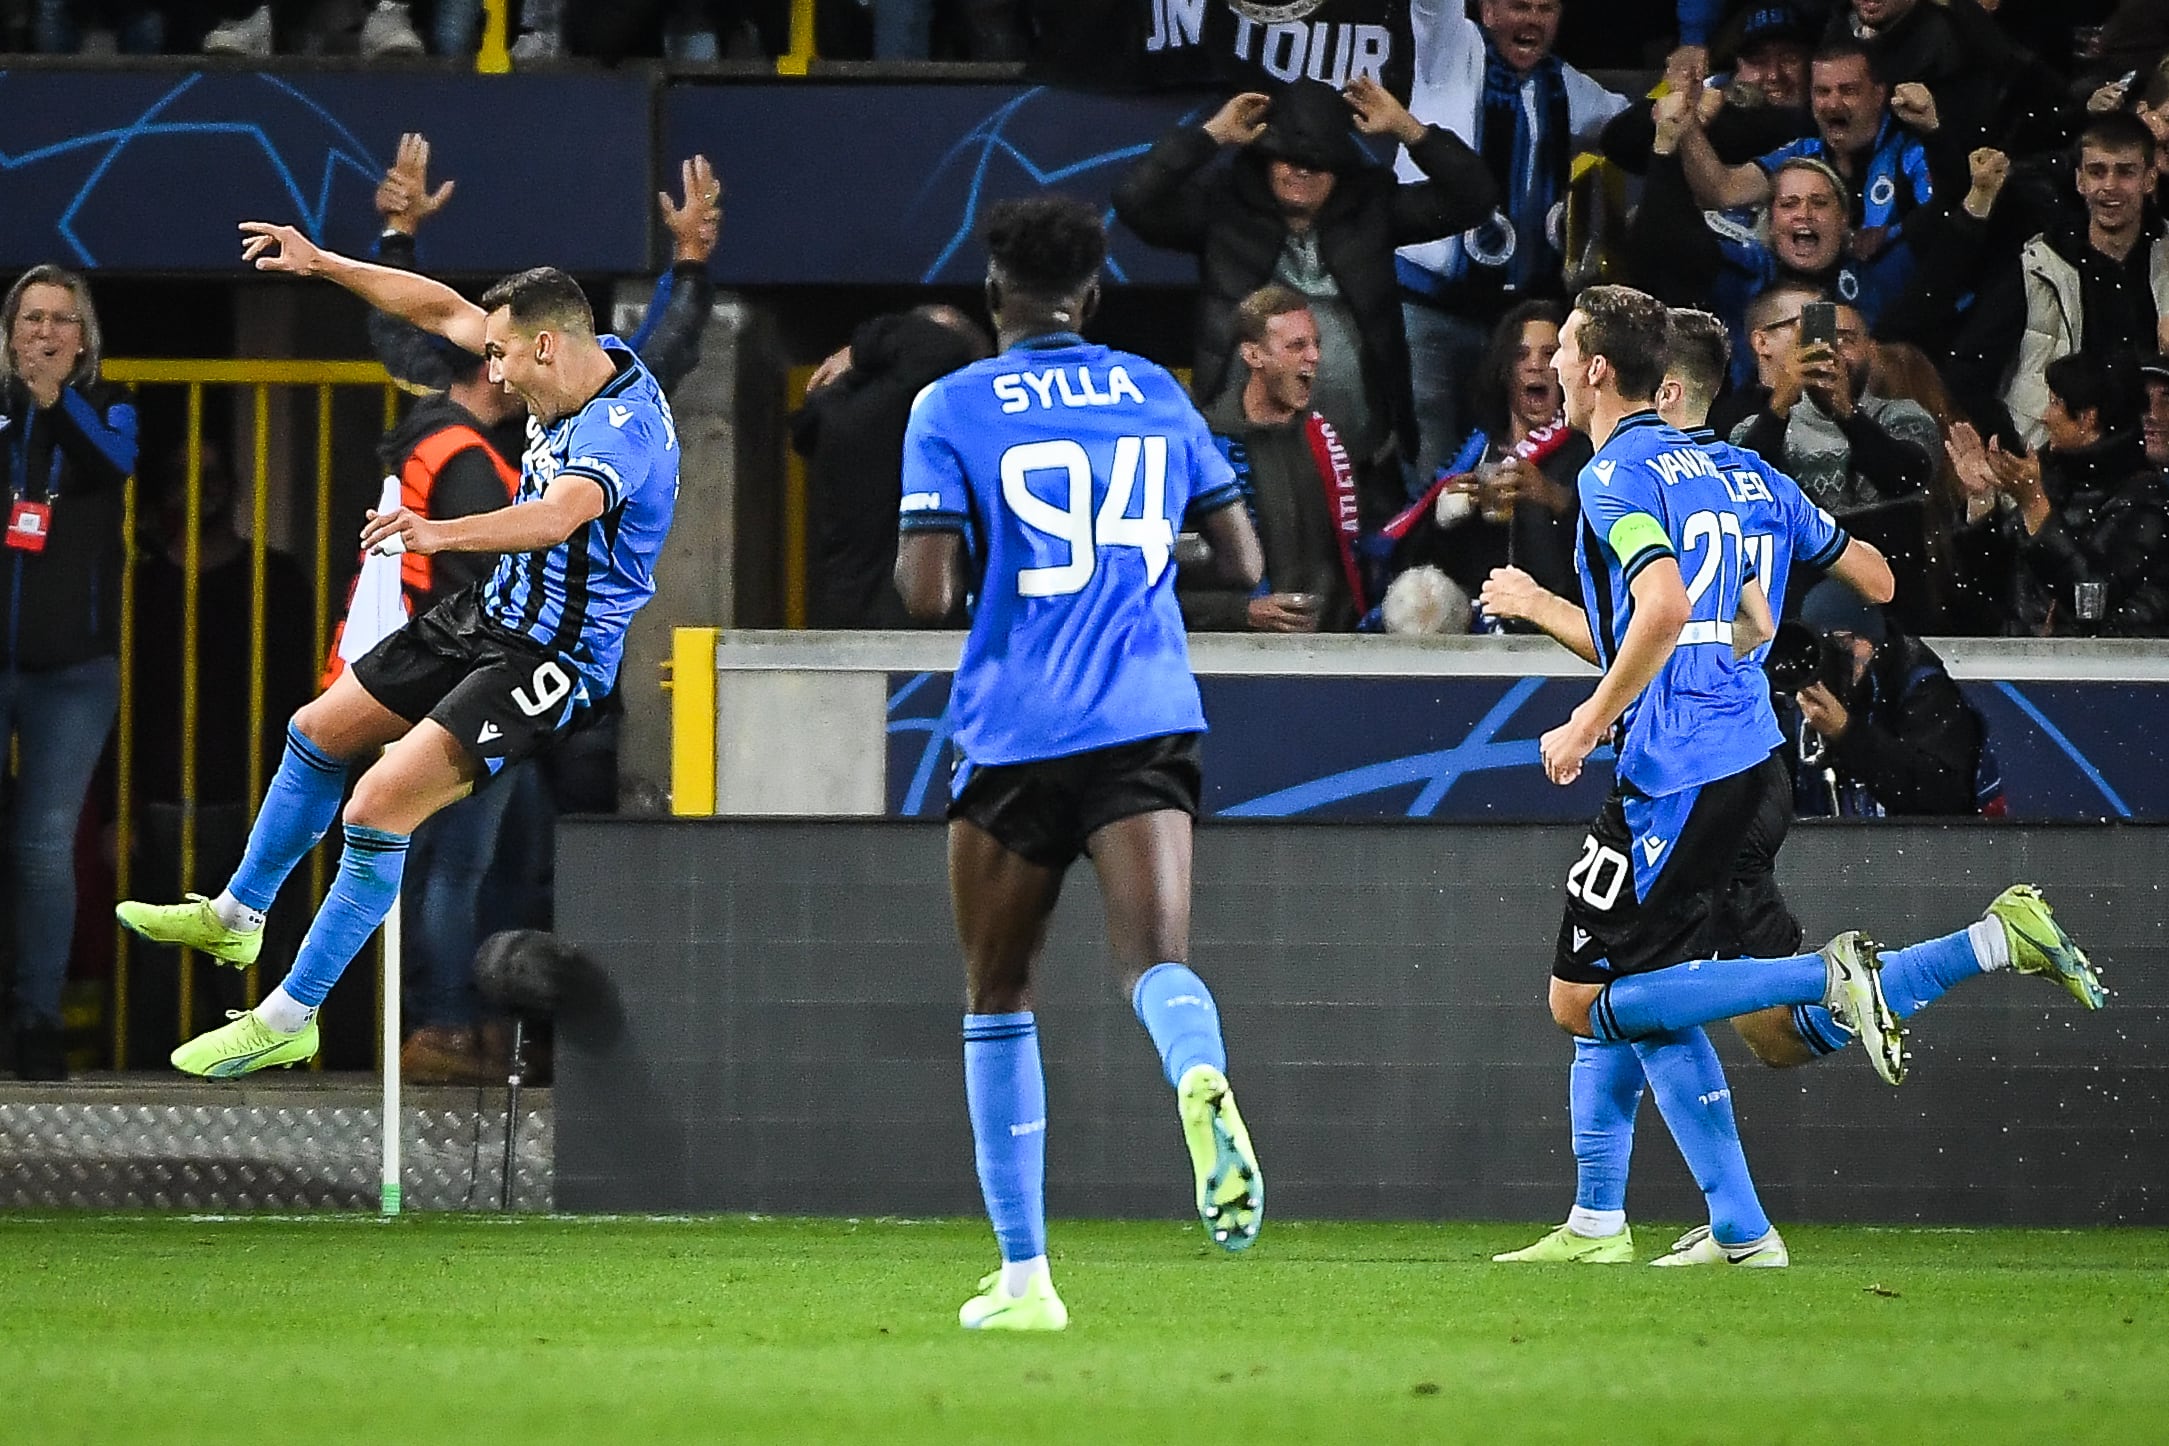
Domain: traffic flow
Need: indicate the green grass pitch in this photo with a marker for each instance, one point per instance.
(528, 1331)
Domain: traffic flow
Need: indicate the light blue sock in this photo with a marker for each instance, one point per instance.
(1177, 1010)
(1603, 1093)
(1687, 995)
(299, 806)
(1913, 979)
(1688, 1081)
(1007, 1095)
(360, 897)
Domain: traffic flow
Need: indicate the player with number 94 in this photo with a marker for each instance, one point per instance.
(1048, 484)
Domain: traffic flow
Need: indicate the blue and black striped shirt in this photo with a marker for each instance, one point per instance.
(576, 599)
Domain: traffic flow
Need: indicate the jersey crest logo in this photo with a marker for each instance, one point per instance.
(619, 416)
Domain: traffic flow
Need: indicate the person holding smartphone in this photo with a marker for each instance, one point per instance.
(1816, 418)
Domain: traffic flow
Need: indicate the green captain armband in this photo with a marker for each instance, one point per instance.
(1637, 540)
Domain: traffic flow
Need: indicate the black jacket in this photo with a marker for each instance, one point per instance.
(2108, 526)
(1226, 215)
(1914, 743)
(851, 433)
(61, 606)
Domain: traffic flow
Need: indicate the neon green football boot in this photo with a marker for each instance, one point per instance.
(1564, 1247)
(244, 1046)
(1230, 1186)
(2040, 946)
(192, 925)
(993, 1309)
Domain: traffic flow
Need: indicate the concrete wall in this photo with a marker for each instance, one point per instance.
(783, 1030)
(722, 541)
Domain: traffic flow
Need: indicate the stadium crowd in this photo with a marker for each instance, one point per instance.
(1930, 228)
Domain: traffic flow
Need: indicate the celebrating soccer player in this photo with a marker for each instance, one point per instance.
(1699, 804)
(487, 677)
(1049, 483)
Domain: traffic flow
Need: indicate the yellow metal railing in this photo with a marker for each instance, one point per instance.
(800, 57)
(259, 378)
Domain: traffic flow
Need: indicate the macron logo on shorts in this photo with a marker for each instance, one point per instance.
(1581, 940)
(490, 734)
(1652, 846)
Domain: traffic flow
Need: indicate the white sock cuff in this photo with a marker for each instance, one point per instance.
(1017, 1275)
(1991, 947)
(282, 1013)
(236, 915)
(1596, 1224)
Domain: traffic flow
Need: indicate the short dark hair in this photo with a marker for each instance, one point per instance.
(1260, 307)
(1698, 350)
(2086, 382)
(1495, 373)
(1848, 47)
(542, 297)
(1762, 310)
(1046, 246)
(1627, 328)
(2117, 130)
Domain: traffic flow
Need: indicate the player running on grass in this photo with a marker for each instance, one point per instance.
(1049, 482)
(485, 678)
(1645, 951)
(1778, 524)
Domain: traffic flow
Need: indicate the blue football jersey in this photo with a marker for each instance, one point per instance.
(576, 599)
(1069, 468)
(1651, 493)
(1779, 524)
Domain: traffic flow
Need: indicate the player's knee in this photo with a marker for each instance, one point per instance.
(373, 804)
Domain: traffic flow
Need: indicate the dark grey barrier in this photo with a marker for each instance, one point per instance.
(781, 1031)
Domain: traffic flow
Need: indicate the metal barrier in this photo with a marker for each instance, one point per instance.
(260, 377)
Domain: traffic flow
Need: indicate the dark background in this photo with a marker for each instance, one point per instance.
(783, 1031)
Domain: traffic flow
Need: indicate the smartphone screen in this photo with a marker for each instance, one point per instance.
(1819, 324)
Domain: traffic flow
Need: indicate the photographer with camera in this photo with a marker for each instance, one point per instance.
(1877, 726)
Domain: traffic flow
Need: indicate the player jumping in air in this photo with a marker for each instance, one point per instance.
(485, 678)
(1654, 914)
(1049, 483)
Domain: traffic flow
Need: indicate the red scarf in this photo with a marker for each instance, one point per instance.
(1532, 449)
(1338, 476)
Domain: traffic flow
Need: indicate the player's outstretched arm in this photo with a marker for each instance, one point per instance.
(568, 504)
(1511, 593)
(1866, 571)
(930, 573)
(430, 305)
(1660, 611)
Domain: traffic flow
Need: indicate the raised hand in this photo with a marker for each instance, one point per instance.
(1915, 105)
(1241, 120)
(1378, 113)
(279, 248)
(404, 199)
(695, 222)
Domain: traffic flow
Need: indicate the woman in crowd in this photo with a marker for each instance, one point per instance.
(68, 444)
